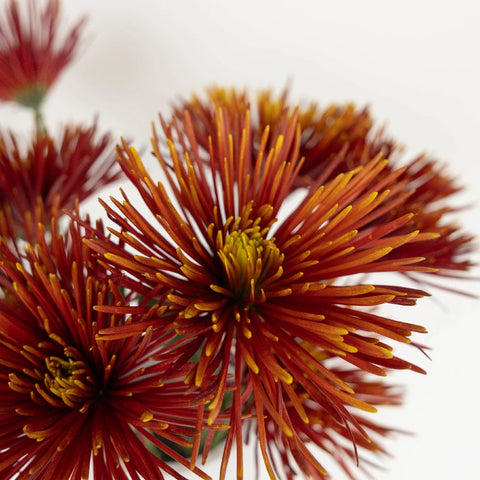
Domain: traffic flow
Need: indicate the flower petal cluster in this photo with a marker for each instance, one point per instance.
(71, 402)
(32, 55)
(41, 179)
(331, 437)
(236, 293)
(261, 290)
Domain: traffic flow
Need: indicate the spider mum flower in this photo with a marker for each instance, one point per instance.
(49, 175)
(251, 290)
(341, 138)
(32, 55)
(71, 402)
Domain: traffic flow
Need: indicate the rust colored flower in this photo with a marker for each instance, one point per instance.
(49, 175)
(72, 402)
(255, 280)
(341, 138)
(32, 55)
(339, 129)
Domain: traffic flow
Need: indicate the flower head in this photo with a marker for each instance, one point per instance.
(50, 175)
(32, 55)
(251, 288)
(71, 401)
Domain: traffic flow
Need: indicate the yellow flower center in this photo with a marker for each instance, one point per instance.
(250, 262)
(66, 379)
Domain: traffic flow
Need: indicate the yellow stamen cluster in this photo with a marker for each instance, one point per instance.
(250, 261)
(66, 379)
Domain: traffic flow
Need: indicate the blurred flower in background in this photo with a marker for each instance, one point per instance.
(32, 53)
(43, 176)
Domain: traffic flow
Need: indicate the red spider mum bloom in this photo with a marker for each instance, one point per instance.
(71, 402)
(250, 292)
(341, 138)
(31, 54)
(50, 175)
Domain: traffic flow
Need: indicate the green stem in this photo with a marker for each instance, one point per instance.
(32, 97)
(40, 123)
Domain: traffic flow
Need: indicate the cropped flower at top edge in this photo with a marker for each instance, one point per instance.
(31, 54)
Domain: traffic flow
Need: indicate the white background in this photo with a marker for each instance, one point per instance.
(417, 64)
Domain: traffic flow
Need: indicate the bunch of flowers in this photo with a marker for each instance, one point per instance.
(244, 306)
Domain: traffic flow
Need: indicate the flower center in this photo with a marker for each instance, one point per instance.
(250, 262)
(68, 380)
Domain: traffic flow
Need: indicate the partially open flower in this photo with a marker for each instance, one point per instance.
(71, 401)
(49, 175)
(32, 55)
(251, 288)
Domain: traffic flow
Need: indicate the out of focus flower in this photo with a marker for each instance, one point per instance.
(341, 138)
(41, 179)
(252, 289)
(32, 55)
(71, 401)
